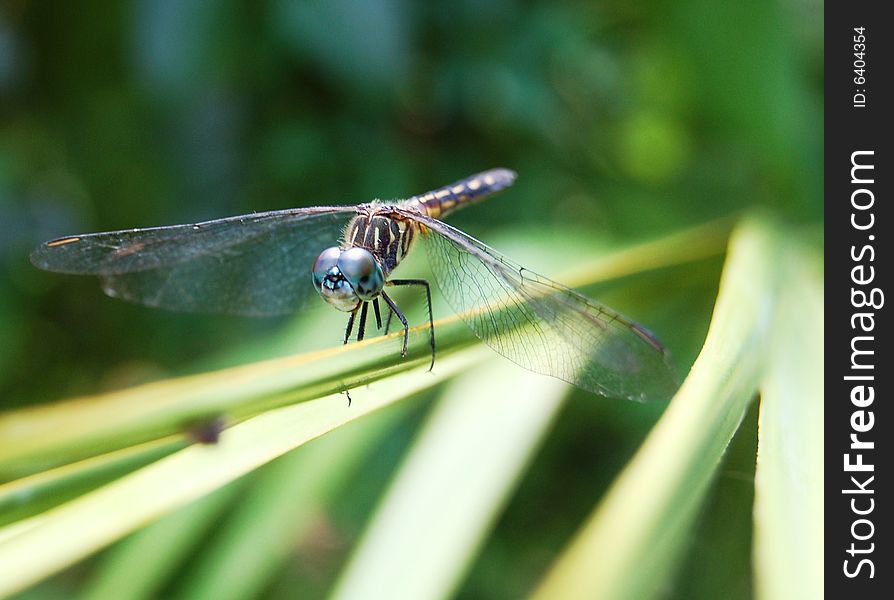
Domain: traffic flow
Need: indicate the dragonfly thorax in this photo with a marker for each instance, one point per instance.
(345, 278)
(386, 234)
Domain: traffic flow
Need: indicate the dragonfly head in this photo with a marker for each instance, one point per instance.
(345, 278)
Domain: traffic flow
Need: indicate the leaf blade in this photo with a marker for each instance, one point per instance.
(635, 535)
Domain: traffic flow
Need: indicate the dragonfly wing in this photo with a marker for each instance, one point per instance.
(542, 325)
(257, 264)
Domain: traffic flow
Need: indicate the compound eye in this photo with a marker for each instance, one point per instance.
(327, 259)
(363, 272)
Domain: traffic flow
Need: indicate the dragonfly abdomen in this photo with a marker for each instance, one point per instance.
(442, 201)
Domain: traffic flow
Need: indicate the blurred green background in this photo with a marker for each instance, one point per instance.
(625, 121)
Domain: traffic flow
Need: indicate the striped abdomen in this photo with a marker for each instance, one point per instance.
(442, 201)
(389, 235)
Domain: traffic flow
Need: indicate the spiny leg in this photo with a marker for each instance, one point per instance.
(403, 320)
(348, 330)
(431, 320)
(350, 325)
(378, 314)
(361, 327)
(388, 322)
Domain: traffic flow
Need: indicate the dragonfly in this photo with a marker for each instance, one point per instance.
(279, 262)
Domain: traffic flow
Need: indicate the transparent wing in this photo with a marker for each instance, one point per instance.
(257, 264)
(542, 325)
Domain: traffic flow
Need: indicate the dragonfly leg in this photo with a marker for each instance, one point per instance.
(347, 336)
(403, 320)
(378, 314)
(431, 320)
(388, 322)
(350, 326)
(361, 327)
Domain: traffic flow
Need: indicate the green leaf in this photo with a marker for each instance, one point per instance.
(139, 565)
(452, 484)
(59, 537)
(51, 434)
(629, 546)
(36, 493)
(788, 504)
(281, 508)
